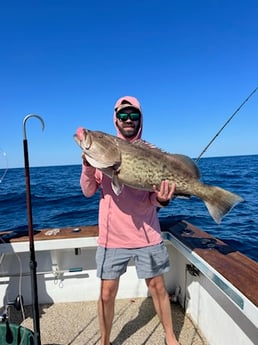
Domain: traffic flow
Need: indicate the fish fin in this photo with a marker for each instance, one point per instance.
(117, 187)
(182, 196)
(141, 142)
(188, 164)
(221, 203)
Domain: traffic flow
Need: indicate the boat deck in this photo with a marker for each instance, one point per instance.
(135, 322)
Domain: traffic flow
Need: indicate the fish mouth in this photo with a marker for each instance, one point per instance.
(83, 138)
(87, 140)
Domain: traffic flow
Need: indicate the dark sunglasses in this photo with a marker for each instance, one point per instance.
(132, 116)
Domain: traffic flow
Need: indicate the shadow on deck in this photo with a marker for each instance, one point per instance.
(135, 322)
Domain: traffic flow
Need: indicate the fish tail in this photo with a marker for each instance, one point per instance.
(220, 202)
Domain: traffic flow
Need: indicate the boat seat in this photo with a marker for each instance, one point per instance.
(12, 334)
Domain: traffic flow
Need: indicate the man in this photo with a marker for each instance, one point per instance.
(129, 228)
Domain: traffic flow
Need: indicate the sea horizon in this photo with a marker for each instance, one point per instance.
(57, 200)
(71, 164)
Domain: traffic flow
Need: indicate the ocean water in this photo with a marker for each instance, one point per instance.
(57, 200)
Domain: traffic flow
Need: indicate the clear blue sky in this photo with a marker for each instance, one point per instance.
(190, 63)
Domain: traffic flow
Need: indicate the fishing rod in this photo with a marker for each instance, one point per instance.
(33, 263)
(226, 123)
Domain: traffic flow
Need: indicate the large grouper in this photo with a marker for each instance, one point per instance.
(141, 165)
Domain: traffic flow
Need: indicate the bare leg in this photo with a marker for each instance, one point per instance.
(106, 307)
(161, 302)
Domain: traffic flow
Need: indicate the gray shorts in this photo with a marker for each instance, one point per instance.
(150, 261)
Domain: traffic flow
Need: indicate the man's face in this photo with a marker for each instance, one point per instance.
(128, 121)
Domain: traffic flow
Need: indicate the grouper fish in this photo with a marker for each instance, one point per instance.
(141, 165)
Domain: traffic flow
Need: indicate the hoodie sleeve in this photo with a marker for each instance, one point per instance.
(88, 181)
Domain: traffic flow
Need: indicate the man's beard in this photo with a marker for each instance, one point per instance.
(129, 131)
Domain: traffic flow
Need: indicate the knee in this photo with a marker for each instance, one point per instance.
(156, 285)
(107, 295)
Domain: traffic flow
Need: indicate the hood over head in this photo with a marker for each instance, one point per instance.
(126, 102)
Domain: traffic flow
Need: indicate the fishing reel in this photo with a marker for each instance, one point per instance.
(17, 304)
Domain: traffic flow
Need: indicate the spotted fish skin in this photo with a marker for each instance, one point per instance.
(141, 165)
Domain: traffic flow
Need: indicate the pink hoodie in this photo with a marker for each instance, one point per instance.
(127, 220)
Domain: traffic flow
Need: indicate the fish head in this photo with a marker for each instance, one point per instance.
(83, 138)
(100, 148)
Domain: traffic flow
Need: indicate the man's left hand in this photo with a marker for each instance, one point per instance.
(165, 192)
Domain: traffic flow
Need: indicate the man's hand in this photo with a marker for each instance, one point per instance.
(165, 193)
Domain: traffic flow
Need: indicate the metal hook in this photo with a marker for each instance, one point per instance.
(25, 120)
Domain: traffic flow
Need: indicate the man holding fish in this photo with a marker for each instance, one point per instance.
(128, 227)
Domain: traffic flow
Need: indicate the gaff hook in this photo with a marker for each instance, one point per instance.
(33, 263)
(25, 120)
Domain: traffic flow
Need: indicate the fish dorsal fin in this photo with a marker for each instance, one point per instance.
(188, 162)
(143, 143)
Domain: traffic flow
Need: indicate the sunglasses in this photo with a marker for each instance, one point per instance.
(132, 116)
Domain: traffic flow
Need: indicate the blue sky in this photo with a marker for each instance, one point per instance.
(190, 63)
